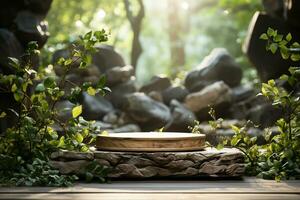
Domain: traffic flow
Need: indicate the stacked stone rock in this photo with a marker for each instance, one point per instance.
(206, 163)
(215, 82)
(20, 22)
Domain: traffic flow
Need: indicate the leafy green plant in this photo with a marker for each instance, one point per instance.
(96, 171)
(36, 94)
(279, 158)
(276, 41)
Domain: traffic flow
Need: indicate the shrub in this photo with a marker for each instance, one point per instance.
(26, 146)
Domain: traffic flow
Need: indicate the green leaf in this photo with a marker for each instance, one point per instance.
(14, 62)
(49, 82)
(61, 142)
(270, 32)
(235, 128)
(79, 138)
(76, 111)
(83, 65)
(14, 88)
(284, 52)
(288, 37)
(88, 35)
(101, 82)
(61, 61)
(273, 48)
(91, 91)
(278, 38)
(106, 89)
(295, 57)
(2, 115)
(264, 36)
(32, 45)
(89, 176)
(68, 62)
(284, 77)
(40, 87)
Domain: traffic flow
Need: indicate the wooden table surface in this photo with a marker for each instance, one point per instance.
(248, 188)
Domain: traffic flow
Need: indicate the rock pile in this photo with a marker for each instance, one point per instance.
(215, 83)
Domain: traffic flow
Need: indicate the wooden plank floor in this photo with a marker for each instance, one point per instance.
(248, 189)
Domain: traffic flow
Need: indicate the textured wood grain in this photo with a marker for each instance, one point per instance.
(151, 141)
(246, 189)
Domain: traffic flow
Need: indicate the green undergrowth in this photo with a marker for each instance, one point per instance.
(279, 157)
(26, 146)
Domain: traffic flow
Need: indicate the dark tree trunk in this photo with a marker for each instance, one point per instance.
(136, 24)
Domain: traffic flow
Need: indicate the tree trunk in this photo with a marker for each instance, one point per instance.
(136, 24)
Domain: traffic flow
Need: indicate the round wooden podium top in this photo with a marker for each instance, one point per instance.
(151, 141)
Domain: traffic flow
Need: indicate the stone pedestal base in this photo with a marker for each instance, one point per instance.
(207, 163)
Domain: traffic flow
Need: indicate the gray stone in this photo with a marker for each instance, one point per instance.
(71, 155)
(38, 6)
(179, 164)
(126, 170)
(212, 168)
(95, 107)
(211, 95)
(111, 117)
(217, 66)
(113, 159)
(149, 171)
(264, 115)
(102, 125)
(103, 162)
(156, 96)
(242, 92)
(140, 162)
(106, 57)
(119, 92)
(157, 83)
(190, 171)
(149, 114)
(181, 119)
(70, 167)
(125, 129)
(174, 92)
(118, 75)
(9, 47)
(31, 27)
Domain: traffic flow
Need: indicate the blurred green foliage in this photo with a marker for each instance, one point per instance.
(207, 24)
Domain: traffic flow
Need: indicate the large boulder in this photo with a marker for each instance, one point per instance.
(106, 57)
(119, 75)
(31, 27)
(119, 92)
(217, 95)
(157, 83)
(95, 107)
(217, 66)
(182, 118)
(264, 115)
(9, 47)
(149, 114)
(243, 92)
(174, 92)
(38, 6)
